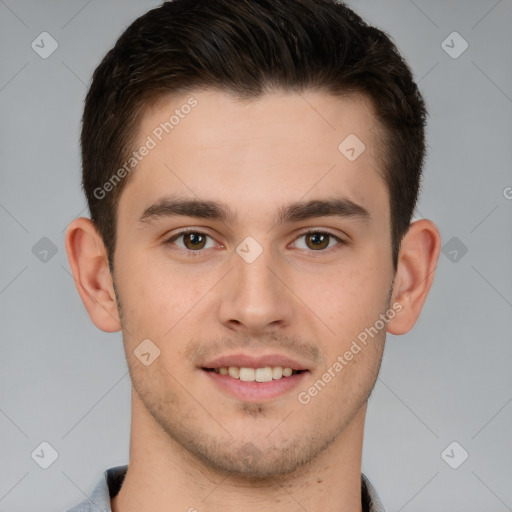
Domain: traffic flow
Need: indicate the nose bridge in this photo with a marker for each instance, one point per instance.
(254, 267)
(255, 296)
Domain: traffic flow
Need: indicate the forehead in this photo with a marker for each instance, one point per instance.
(282, 145)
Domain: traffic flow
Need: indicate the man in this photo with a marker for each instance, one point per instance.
(251, 169)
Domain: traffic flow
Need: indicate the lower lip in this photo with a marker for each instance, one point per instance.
(256, 391)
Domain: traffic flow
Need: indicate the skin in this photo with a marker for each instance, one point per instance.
(295, 299)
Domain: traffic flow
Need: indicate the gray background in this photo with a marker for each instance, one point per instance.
(65, 382)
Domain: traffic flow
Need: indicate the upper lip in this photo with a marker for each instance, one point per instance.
(252, 361)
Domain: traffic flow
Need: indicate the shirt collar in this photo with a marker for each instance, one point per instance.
(370, 496)
(112, 479)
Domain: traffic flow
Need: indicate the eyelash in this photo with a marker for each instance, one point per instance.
(199, 252)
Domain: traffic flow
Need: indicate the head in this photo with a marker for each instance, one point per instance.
(248, 107)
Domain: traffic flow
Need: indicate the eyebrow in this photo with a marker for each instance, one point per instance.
(173, 206)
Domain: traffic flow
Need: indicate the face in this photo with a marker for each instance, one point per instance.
(246, 286)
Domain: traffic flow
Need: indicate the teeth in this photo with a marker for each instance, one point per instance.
(287, 372)
(247, 374)
(277, 372)
(234, 372)
(265, 374)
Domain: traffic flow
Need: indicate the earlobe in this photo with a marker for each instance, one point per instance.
(89, 265)
(417, 261)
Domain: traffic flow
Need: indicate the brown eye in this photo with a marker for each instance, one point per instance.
(318, 241)
(194, 240)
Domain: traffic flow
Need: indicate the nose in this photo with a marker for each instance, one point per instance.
(254, 296)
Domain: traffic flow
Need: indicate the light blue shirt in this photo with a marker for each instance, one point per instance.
(112, 479)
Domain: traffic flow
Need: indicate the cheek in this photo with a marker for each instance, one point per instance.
(148, 297)
(353, 299)
(353, 351)
(159, 299)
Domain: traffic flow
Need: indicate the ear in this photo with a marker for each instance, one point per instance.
(87, 257)
(417, 261)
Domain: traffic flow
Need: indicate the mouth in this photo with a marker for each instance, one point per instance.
(255, 378)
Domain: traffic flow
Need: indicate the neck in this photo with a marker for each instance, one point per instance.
(161, 472)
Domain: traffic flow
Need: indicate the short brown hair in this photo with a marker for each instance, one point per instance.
(248, 47)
